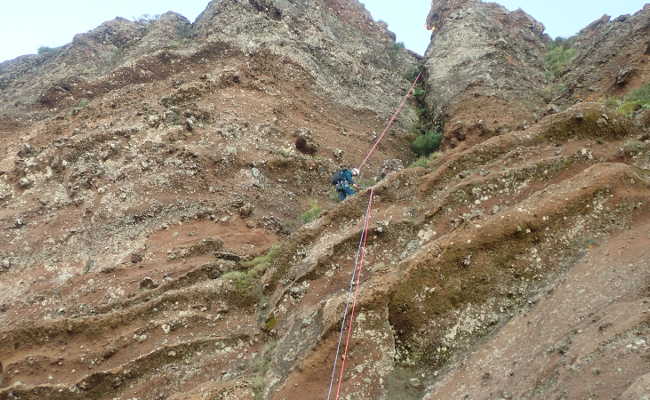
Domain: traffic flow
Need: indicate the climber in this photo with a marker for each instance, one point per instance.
(344, 183)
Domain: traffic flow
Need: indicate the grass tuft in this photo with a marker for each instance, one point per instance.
(247, 290)
(258, 265)
(425, 161)
(558, 58)
(312, 213)
(636, 100)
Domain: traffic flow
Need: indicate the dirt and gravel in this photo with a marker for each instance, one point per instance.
(154, 240)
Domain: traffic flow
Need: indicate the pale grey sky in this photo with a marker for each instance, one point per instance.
(28, 24)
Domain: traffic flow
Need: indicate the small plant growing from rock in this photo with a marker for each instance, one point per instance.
(239, 278)
(426, 143)
(425, 161)
(559, 56)
(636, 100)
(43, 50)
(258, 265)
(246, 289)
(312, 213)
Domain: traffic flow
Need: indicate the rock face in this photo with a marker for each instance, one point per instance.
(483, 59)
(612, 58)
(352, 58)
(124, 152)
(67, 73)
(153, 214)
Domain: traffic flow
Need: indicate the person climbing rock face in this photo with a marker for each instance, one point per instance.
(344, 183)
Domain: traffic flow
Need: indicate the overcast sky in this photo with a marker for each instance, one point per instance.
(27, 25)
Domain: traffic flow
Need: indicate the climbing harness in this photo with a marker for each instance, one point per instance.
(391, 121)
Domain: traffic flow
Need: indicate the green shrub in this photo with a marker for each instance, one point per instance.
(413, 73)
(421, 162)
(633, 147)
(258, 265)
(312, 213)
(424, 114)
(241, 279)
(627, 108)
(636, 100)
(426, 143)
(425, 161)
(245, 291)
(641, 95)
(558, 57)
(271, 323)
(46, 50)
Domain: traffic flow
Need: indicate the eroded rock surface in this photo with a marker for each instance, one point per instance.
(483, 59)
(612, 57)
(173, 235)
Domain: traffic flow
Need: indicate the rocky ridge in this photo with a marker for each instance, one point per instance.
(483, 59)
(323, 37)
(152, 248)
(597, 71)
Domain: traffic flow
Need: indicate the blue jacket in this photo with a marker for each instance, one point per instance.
(344, 176)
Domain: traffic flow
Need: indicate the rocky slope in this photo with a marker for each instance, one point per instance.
(514, 265)
(148, 149)
(612, 58)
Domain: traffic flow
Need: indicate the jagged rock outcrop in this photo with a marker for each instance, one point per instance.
(173, 236)
(351, 57)
(353, 60)
(613, 57)
(483, 59)
(68, 74)
(124, 99)
(124, 151)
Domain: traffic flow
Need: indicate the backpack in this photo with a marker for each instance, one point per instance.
(337, 177)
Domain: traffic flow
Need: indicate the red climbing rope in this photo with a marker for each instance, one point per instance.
(391, 121)
(358, 270)
(353, 279)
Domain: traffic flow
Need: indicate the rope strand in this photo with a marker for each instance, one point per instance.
(354, 299)
(391, 121)
(350, 293)
(359, 260)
